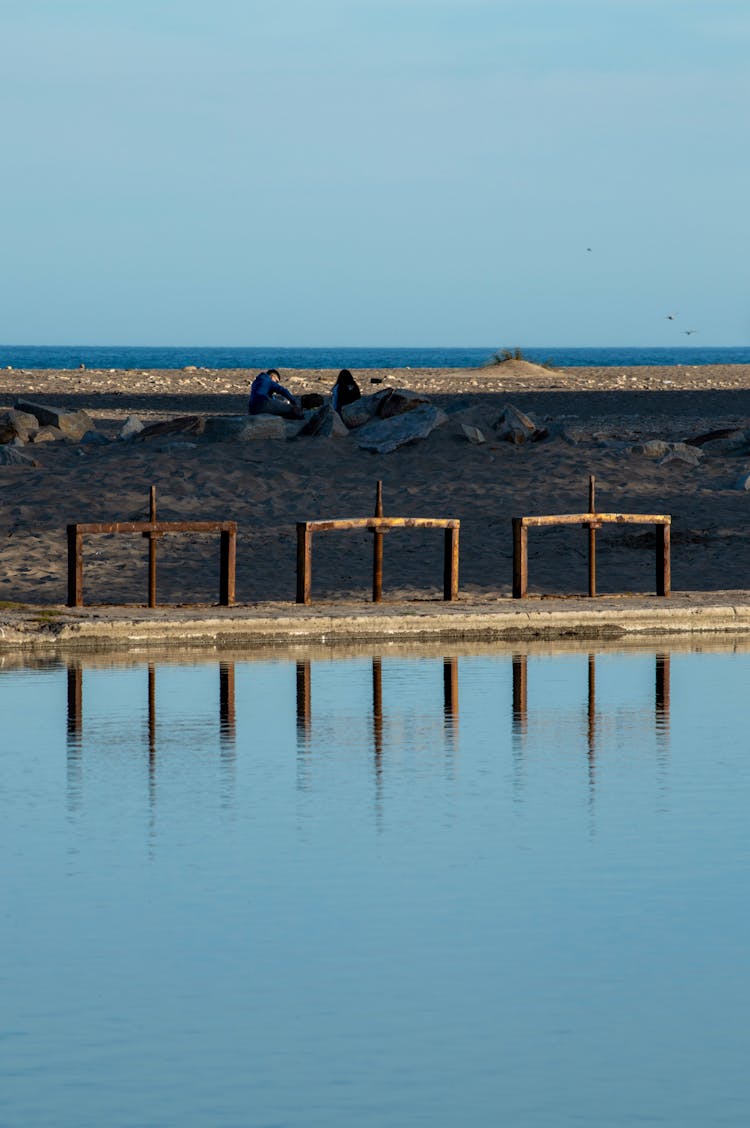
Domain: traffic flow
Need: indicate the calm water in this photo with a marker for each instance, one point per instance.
(29, 356)
(400, 890)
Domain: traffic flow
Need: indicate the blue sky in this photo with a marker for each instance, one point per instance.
(375, 172)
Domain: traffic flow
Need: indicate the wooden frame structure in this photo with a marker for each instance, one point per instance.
(591, 521)
(153, 530)
(378, 525)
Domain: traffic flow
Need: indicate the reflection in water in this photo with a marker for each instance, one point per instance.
(74, 728)
(520, 709)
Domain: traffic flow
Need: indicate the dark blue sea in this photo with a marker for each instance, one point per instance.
(125, 357)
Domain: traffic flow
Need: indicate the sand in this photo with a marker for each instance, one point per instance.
(596, 419)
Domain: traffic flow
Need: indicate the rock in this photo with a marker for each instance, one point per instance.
(516, 427)
(743, 482)
(473, 434)
(364, 409)
(736, 434)
(652, 448)
(681, 452)
(734, 442)
(399, 401)
(385, 435)
(12, 456)
(185, 425)
(311, 400)
(50, 435)
(245, 428)
(91, 438)
(132, 426)
(17, 425)
(325, 423)
(73, 424)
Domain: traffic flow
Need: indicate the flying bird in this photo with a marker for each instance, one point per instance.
(688, 332)
(670, 317)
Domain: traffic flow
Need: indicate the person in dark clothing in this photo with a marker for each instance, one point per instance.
(345, 390)
(269, 396)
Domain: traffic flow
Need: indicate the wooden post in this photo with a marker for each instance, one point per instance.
(592, 537)
(377, 549)
(304, 563)
(450, 564)
(152, 550)
(75, 567)
(520, 558)
(227, 565)
(663, 560)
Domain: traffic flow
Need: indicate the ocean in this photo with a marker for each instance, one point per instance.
(126, 357)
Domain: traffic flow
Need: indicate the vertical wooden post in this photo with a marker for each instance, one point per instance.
(304, 563)
(592, 537)
(152, 550)
(377, 549)
(227, 565)
(663, 560)
(520, 558)
(450, 564)
(75, 567)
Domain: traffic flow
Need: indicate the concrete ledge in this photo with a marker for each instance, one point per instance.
(99, 629)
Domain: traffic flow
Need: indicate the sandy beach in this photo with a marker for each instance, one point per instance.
(625, 426)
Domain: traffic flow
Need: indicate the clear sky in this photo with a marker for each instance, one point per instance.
(375, 172)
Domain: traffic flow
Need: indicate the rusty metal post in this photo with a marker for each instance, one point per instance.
(377, 549)
(151, 714)
(304, 563)
(592, 537)
(450, 564)
(663, 560)
(520, 558)
(75, 567)
(75, 701)
(227, 565)
(661, 690)
(377, 709)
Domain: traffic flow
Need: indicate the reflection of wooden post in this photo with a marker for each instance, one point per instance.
(227, 713)
(592, 705)
(662, 690)
(450, 688)
(663, 560)
(520, 558)
(450, 564)
(377, 709)
(520, 694)
(151, 714)
(592, 537)
(75, 700)
(377, 549)
(303, 697)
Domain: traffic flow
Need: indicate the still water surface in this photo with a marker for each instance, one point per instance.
(400, 890)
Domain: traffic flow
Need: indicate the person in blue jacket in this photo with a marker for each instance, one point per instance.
(269, 396)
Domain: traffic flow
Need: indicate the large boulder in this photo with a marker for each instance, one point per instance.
(364, 409)
(245, 428)
(399, 401)
(73, 424)
(184, 425)
(381, 436)
(516, 427)
(17, 425)
(325, 423)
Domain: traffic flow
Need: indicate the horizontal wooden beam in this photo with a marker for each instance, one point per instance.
(158, 527)
(378, 524)
(597, 519)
